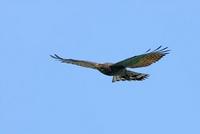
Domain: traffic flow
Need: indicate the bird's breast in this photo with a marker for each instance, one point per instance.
(108, 71)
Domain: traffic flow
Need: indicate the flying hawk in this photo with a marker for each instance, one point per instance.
(119, 70)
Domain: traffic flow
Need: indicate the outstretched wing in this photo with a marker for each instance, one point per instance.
(82, 63)
(145, 59)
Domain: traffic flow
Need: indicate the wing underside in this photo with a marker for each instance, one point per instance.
(82, 63)
(144, 60)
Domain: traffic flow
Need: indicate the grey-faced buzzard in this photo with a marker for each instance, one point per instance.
(119, 70)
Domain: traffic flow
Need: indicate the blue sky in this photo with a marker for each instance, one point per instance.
(38, 95)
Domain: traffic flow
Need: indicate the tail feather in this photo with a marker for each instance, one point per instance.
(129, 75)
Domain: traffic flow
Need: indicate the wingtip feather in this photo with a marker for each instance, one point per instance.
(55, 56)
(164, 50)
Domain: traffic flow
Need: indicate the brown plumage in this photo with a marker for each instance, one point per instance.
(118, 70)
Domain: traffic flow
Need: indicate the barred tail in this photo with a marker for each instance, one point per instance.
(129, 75)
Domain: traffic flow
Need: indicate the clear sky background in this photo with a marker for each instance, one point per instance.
(39, 95)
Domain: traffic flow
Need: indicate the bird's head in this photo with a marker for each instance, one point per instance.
(104, 68)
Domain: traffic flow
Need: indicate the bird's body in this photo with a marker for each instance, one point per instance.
(107, 69)
(120, 73)
(118, 70)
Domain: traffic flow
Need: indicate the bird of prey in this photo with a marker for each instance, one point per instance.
(119, 70)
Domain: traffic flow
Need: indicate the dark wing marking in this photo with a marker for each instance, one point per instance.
(82, 63)
(144, 59)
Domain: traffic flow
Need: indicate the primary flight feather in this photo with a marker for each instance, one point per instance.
(118, 70)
